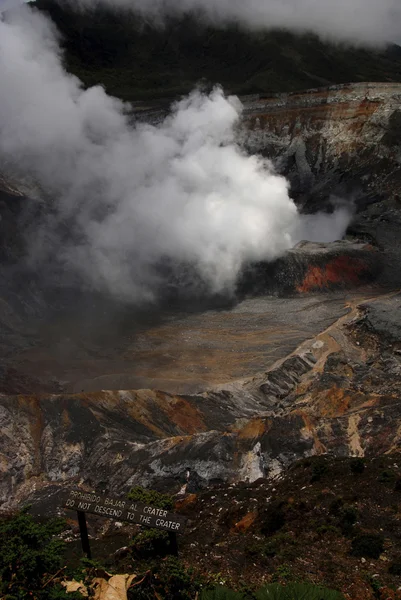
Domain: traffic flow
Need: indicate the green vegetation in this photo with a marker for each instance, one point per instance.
(156, 499)
(376, 585)
(395, 568)
(220, 593)
(348, 516)
(30, 556)
(171, 581)
(151, 542)
(282, 545)
(297, 591)
(387, 477)
(274, 518)
(283, 573)
(319, 469)
(368, 545)
(274, 591)
(357, 465)
(136, 60)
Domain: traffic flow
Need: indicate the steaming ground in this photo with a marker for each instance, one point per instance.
(129, 203)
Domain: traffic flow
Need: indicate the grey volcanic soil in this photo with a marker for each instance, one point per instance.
(176, 352)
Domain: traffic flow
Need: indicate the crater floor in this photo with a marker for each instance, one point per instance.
(174, 351)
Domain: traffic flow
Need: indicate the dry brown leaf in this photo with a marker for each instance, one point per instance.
(75, 586)
(114, 589)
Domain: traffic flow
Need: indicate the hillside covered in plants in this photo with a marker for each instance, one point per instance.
(136, 59)
(327, 529)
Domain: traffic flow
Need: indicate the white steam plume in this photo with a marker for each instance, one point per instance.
(356, 21)
(136, 195)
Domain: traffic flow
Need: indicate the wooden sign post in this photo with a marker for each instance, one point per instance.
(84, 534)
(122, 509)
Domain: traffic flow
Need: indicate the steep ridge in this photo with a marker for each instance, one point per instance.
(135, 58)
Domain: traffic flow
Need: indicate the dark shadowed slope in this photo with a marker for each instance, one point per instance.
(136, 60)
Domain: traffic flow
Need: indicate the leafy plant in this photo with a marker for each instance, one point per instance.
(30, 555)
(357, 465)
(347, 518)
(327, 529)
(275, 591)
(376, 585)
(150, 542)
(220, 593)
(156, 499)
(318, 470)
(171, 581)
(297, 591)
(255, 548)
(395, 568)
(283, 573)
(387, 477)
(368, 545)
(274, 517)
(336, 506)
(282, 545)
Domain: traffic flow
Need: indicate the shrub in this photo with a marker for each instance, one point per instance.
(284, 573)
(255, 548)
(156, 499)
(172, 581)
(274, 518)
(150, 542)
(336, 506)
(357, 465)
(30, 554)
(395, 568)
(281, 544)
(318, 470)
(347, 518)
(275, 591)
(270, 549)
(327, 529)
(220, 593)
(297, 591)
(376, 585)
(387, 477)
(368, 545)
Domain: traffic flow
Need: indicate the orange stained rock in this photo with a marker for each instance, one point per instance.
(245, 523)
(66, 418)
(386, 593)
(186, 502)
(341, 270)
(186, 416)
(334, 402)
(254, 429)
(309, 426)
